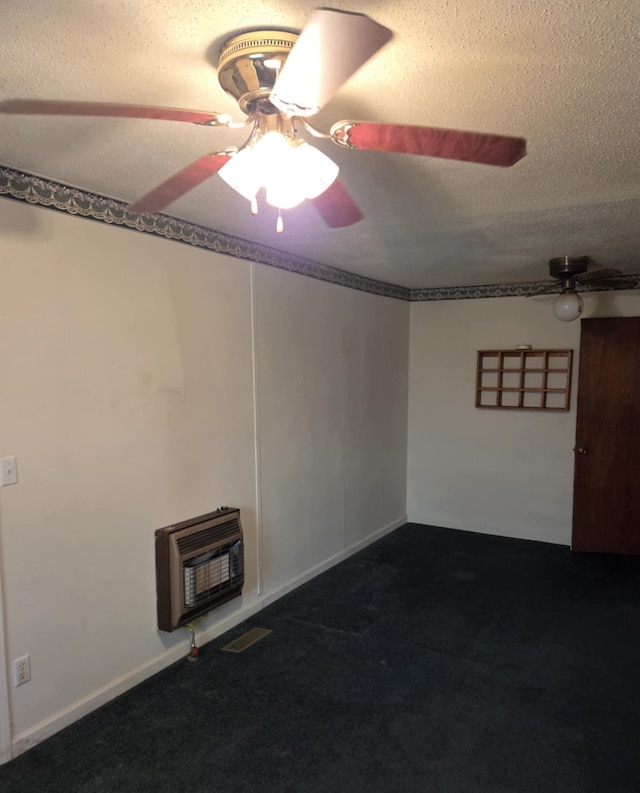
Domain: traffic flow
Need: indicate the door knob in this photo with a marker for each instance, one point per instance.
(579, 450)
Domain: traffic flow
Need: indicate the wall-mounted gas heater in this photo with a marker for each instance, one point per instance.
(199, 565)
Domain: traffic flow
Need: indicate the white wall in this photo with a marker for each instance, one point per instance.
(332, 378)
(128, 367)
(507, 472)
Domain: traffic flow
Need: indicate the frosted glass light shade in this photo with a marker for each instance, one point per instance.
(568, 306)
(240, 172)
(290, 171)
(319, 171)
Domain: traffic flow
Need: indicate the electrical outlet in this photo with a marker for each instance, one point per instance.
(8, 471)
(21, 670)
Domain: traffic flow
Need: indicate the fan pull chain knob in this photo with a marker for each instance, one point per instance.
(254, 206)
(279, 224)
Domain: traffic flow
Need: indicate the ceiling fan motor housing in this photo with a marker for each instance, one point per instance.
(249, 64)
(568, 266)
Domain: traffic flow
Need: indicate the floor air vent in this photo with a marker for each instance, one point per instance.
(247, 640)
(199, 565)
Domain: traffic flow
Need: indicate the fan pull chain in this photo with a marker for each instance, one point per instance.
(279, 223)
(254, 206)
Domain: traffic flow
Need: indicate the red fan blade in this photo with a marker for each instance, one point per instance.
(332, 46)
(180, 183)
(46, 107)
(432, 142)
(336, 207)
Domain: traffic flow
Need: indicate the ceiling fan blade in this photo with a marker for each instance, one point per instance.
(605, 283)
(332, 46)
(48, 107)
(180, 183)
(432, 142)
(336, 207)
(604, 272)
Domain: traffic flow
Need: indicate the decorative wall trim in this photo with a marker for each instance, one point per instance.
(54, 195)
(514, 290)
(471, 292)
(46, 193)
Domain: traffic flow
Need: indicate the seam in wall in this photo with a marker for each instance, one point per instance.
(256, 427)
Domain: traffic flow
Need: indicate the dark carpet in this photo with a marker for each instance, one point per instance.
(434, 660)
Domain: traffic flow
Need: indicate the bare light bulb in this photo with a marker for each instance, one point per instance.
(278, 171)
(568, 306)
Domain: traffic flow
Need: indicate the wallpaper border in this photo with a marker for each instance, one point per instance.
(54, 195)
(524, 289)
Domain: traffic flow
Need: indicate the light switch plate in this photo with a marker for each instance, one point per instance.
(8, 471)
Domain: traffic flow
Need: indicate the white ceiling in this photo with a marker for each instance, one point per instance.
(562, 74)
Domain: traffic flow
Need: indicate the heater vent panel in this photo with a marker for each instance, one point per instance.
(209, 536)
(199, 565)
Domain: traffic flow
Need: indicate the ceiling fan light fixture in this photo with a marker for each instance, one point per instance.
(279, 78)
(289, 169)
(568, 306)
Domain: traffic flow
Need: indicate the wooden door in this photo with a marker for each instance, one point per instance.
(606, 493)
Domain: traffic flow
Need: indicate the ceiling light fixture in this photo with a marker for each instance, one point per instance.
(568, 306)
(568, 273)
(288, 168)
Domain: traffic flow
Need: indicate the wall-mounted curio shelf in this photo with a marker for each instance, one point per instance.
(524, 379)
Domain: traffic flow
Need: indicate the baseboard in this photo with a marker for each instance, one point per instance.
(312, 572)
(249, 605)
(553, 537)
(82, 707)
(5, 726)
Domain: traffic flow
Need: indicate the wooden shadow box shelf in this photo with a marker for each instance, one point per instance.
(524, 379)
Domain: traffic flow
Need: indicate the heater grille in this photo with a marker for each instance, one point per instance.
(206, 574)
(199, 565)
(193, 542)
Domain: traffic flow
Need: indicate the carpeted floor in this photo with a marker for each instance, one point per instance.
(434, 660)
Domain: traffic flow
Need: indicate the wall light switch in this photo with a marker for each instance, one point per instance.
(8, 471)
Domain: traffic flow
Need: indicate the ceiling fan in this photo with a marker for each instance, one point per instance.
(569, 272)
(279, 80)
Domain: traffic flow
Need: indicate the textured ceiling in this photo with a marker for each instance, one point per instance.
(562, 74)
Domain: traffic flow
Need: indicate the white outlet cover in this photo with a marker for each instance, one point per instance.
(21, 671)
